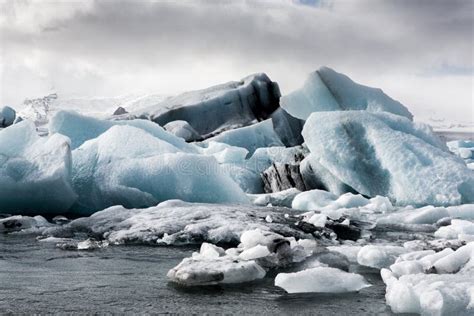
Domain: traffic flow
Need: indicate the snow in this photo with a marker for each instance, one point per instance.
(384, 154)
(130, 167)
(260, 135)
(327, 90)
(35, 172)
(321, 280)
(183, 130)
(7, 116)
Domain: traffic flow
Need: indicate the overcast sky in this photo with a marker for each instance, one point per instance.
(418, 51)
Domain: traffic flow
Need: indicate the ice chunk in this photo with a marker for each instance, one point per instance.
(203, 271)
(255, 252)
(385, 154)
(176, 222)
(431, 294)
(327, 90)
(379, 256)
(458, 227)
(211, 251)
(321, 280)
(287, 127)
(7, 116)
(453, 262)
(130, 167)
(80, 128)
(224, 106)
(183, 130)
(23, 223)
(313, 200)
(251, 137)
(35, 172)
(282, 198)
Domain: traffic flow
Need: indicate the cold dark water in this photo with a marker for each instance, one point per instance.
(37, 277)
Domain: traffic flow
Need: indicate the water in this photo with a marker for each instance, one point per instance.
(37, 277)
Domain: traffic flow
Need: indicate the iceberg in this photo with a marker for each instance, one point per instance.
(321, 280)
(225, 106)
(131, 167)
(260, 135)
(388, 155)
(327, 90)
(183, 130)
(80, 128)
(35, 172)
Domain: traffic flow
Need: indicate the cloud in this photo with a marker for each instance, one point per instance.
(112, 47)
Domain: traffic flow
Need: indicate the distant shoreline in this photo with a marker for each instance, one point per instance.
(455, 135)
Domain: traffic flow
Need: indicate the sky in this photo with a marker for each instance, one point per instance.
(420, 52)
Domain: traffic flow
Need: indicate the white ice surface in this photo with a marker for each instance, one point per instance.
(321, 280)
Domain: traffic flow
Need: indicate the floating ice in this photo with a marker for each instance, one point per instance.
(385, 154)
(7, 116)
(321, 280)
(80, 128)
(457, 229)
(176, 222)
(282, 198)
(251, 137)
(183, 130)
(218, 108)
(379, 256)
(327, 90)
(410, 290)
(128, 166)
(35, 172)
(23, 223)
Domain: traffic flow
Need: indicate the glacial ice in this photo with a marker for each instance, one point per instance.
(183, 130)
(128, 166)
(282, 198)
(379, 256)
(321, 280)
(327, 90)
(436, 284)
(224, 106)
(384, 154)
(176, 222)
(80, 128)
(35, 172)
(260, 135)
(7, 116)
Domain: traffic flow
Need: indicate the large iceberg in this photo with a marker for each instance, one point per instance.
(220, 107)
(327, 90)
(131, 167)
(388, 155)
(35, 172)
